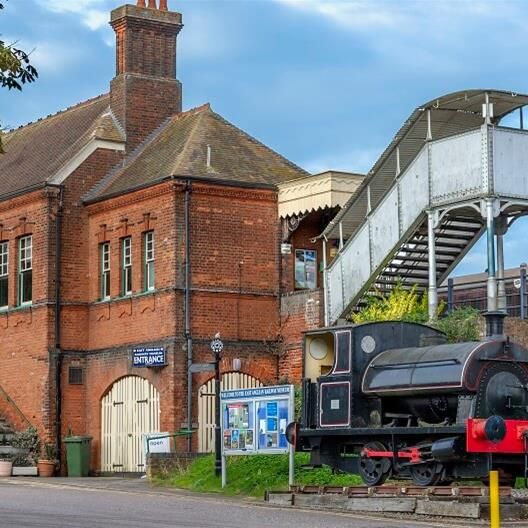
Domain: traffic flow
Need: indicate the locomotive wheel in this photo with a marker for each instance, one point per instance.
(428, 474)
(374, 471)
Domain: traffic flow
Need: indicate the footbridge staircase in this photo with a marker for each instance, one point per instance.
(451, 173)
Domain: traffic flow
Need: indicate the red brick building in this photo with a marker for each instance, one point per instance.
(127, 224)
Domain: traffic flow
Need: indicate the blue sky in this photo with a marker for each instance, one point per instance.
(325, 82)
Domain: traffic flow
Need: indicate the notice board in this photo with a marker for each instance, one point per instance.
(255, 420)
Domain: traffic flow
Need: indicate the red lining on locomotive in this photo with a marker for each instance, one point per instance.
(411, 453)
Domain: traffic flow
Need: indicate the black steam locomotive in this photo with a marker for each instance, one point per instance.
(393, 399)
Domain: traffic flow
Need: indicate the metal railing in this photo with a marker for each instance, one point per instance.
(474, 294)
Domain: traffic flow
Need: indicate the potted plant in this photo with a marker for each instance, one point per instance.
(26, 447)
(46, 464)
(6, 465)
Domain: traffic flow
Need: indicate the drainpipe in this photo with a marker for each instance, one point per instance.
(187, 304)
(58, 352)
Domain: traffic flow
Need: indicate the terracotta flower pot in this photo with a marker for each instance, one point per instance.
(6, 466)
(46, 468)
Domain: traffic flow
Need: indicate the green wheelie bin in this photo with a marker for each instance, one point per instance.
(78, 455)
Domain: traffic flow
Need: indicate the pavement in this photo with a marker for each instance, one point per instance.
(134, 503)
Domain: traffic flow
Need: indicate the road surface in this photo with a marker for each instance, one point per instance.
(58, 503)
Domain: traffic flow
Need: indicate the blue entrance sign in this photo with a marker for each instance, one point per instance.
(149, 357)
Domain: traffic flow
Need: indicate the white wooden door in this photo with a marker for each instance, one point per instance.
(129, 410)
(206, 405)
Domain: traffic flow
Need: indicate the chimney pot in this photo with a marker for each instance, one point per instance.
(163, 5)
(152, 4)
(141, 3)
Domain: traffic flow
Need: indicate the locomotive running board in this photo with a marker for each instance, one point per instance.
(384, 431)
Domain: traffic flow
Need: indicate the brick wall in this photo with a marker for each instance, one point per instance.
(300, 311)
(517, 330)
(235, 273)
(163, 465)
(25, 332)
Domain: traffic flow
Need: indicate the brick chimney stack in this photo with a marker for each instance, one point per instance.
(145, 90)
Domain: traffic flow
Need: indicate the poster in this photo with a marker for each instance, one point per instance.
(238, 426)
(273, 416)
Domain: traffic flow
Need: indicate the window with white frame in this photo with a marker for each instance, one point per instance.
(105, 270)
(4, 274)
(148, 244)
(126, 266)
(25, 270)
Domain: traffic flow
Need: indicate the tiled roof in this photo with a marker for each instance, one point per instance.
(35, 152)
(180, 148)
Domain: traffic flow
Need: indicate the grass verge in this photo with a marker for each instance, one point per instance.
(251, 476)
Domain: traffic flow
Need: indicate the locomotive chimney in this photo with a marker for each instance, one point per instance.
(494, 323)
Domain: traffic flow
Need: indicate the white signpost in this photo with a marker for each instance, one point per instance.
(254, 422)
(157, 443)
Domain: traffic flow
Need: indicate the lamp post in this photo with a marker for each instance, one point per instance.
(217, 346)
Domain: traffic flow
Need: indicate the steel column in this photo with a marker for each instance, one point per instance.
(325, 286)
(433, 291)
(492, 280)
(501, 289)
(522, 292)
(450, 295)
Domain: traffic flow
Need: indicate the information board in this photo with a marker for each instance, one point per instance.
(255, 420)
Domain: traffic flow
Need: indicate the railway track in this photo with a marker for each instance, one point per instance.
(399, 491)
(468, 502)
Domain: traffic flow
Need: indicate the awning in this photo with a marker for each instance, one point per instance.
(326, 190)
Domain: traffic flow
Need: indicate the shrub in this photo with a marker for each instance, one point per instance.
(29, 441)
(49, 452)
(462, 324)
(399, 305)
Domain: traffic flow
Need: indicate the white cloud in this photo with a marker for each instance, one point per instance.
(356, 14)
(402, 16)
(204, 36)
(352, 160)
(96, 19)
(417, 32)
(53, 56)
(93, 13)
(48, 56)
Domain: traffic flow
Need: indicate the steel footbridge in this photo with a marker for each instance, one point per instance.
(451, 173)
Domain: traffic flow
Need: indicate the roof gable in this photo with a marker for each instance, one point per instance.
(36, 152)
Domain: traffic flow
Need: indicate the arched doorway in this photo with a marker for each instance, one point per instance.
(206, 405)
(130, 409)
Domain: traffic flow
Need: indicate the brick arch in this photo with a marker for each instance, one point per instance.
(206, 403)
(251, 368)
